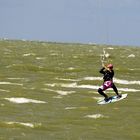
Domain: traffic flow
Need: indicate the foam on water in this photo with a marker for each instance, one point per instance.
(116, 80)
(54, 54)
(70, 108)
(131, 55)
(92, 78)
(23, 100)
(71, 68)
(63, 79)
(128, 90)
(24, 124)
(88, 86)
(29, 54)
(96, 87)
(60, 92)
(40, 58)
(9, 83)
(16, 78)
(125, 82)
(95, 116)
(4, 90)
(74, 85)
(70, 85)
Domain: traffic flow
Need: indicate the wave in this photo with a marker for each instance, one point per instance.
(131, 55)
(60, 92)
(63, 79)
(74, 85)
(125, 82)
(96, 116)
(96, 87)
(31, 125)
(4, 90)
(29, 54)
(9, 83)
(71, 108)
(23, 100)
(40, 58)
(116, 80)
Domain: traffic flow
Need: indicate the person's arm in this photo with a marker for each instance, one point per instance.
(102, 70)
(105, 67)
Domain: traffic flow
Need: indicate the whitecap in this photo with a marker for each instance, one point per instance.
(9, 83)
(51, 85)
(126, 82)
(24, 124)
(40, 58)
(54, 54)
(63, 79)
(132, 69)
(131, 55)
(116, 80)
(70, 85)
(74, 85)
(60, 92)
(71, 68)
(29, 54)
(96, 87)
(23, 100)
(128, 90)
(16, 78)
(20, 123)
(69, 108)
(88, 86)
(64, 92)
(92, 78)
(4, 90)
(95, 116)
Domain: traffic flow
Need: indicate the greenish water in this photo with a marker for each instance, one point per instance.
(48, 91)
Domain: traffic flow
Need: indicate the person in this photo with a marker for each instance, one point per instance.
(108, 73)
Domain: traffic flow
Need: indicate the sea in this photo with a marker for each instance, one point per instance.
(48, 91)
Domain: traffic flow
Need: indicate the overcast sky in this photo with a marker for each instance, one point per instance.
(115, 22)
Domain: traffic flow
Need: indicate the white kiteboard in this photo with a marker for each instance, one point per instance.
(112, 99)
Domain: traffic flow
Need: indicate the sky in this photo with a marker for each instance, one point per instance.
(111, 22)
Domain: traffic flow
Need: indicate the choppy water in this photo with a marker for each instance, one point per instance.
(49, 92)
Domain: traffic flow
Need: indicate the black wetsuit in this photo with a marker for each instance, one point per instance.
(108, 76)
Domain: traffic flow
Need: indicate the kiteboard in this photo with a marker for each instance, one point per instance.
(112, 99)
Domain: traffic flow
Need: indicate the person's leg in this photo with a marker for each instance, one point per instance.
(100, 91)
(105, 86)
(115, 90)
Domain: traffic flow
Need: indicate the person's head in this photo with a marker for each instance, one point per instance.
(110, 66)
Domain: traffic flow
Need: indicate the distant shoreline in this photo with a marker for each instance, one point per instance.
(68, 43)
